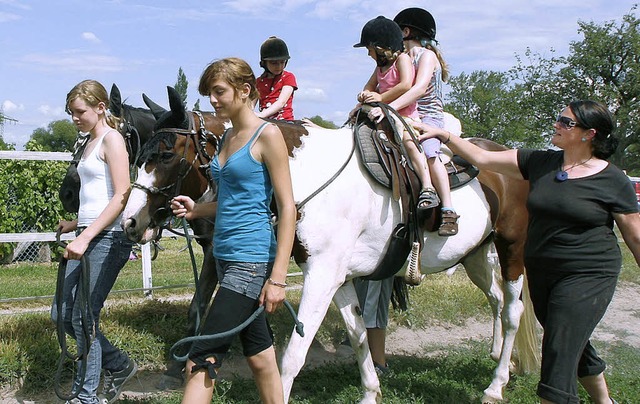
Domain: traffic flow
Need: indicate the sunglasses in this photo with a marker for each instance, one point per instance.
(566, 122)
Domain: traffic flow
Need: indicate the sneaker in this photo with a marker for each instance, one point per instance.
(449, 226)
(382, 371)
(115, 381)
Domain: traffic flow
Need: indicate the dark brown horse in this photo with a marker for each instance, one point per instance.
(343, 230)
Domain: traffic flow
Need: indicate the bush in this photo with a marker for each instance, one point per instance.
(29, 197)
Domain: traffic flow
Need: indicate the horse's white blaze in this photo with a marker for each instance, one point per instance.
(137, 208)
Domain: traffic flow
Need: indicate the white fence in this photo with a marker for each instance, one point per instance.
(26, 239)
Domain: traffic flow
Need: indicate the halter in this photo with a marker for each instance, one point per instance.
(200, 137)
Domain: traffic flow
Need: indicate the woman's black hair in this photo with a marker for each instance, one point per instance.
(595, 115)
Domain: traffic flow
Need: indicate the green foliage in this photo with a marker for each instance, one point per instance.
(517, 108)
(29, 195)
(182, 85)
(59, 136)
(322, 122)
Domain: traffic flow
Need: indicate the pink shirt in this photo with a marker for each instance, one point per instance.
(389, 79)
(270, 89)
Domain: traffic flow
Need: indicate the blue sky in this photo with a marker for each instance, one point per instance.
(48, 46)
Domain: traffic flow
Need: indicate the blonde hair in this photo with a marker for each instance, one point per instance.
(445, 67)
(387, 53)
(93, 93)
(234, 71)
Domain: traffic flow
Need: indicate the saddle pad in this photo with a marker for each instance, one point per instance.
(369, 155)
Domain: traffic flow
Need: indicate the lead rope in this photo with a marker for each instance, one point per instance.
(88, 325)
(233, 331)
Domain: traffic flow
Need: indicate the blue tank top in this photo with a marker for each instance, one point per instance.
(243, 230)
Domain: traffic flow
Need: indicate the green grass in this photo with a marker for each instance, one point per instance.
(148, 328)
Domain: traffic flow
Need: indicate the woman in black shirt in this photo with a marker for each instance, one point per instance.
(572, 254)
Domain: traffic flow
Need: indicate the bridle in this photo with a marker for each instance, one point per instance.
(200, 136)
(130, 133)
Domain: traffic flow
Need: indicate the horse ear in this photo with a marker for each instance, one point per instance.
(156, 109)
(115, 101)
(175, 101)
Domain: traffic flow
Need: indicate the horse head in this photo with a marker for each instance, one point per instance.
(174, 161)
(136, 126)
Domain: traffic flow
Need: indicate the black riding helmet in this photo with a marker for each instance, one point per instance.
(273, 48)
(419, 20)
(381, 32)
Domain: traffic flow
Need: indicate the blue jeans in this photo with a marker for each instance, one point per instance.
(106, 255)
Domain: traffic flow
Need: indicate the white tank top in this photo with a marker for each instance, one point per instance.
(96, 188)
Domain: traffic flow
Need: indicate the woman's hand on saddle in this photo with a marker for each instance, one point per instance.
(426, 131)
(182, 206)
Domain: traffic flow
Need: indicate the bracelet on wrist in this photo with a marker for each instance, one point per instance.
(448, 138)
(278, 284)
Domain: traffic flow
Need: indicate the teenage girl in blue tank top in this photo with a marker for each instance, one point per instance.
(250, 168)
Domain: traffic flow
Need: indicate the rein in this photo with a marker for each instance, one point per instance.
(88, 324)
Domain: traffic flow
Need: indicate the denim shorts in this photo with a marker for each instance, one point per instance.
(246, 278)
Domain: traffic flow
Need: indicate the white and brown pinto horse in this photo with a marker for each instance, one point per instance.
(343, 231)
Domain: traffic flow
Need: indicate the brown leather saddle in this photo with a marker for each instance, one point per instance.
(382, 154)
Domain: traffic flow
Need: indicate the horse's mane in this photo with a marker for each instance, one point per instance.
(138, 116)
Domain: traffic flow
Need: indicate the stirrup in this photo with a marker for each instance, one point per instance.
(412, 276)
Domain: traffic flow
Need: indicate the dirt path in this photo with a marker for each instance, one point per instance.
(621, 323)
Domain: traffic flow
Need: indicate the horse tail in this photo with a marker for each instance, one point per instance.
(527, 342)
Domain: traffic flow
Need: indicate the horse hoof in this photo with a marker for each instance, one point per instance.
(169, 383)
(492, 397)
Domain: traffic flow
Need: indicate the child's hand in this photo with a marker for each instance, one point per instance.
(376, 114)
(369, 96)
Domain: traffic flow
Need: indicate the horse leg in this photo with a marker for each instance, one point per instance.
(319, 287)
(347, 302)
(481, 273)
(513, 309)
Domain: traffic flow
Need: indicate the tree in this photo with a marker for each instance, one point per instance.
(58, 136)
(515, 108)
(182, 85)
(196, 106)
(324, 123)
(606, 65)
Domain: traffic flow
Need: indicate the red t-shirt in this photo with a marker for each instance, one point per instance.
(270, 89)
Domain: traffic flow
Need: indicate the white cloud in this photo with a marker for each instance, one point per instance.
(90, 37)
(50, 111)
(6, 17)
(8, 106)
(311, 94)
(74, 61)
